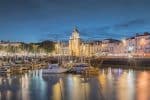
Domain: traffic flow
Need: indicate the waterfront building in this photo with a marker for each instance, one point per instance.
(61, 48)
(87, 48)
(110, 46)
(138, 45)
(132, 46)
(96, 48)
(143, 43)
(77, 47)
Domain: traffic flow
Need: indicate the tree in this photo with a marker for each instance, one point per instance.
(48, 46)
(1, 48)
(12, 49)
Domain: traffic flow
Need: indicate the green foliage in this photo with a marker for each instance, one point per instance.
(28, 47)
(48, 46)
(45, 46)
(1, 48)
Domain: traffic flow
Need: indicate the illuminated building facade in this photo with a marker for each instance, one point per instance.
(75, 43)
(138, 45)
(61, 48)
(110, 46)
(143, 43)
(133, 46)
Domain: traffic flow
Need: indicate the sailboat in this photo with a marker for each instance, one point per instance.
(55, 68)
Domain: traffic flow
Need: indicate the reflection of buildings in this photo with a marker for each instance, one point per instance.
(142, 85)
(138, 45)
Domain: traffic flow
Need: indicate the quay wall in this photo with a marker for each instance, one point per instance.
(137, 63)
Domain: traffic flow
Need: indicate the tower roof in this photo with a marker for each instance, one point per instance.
(75, 33)
(75, 29)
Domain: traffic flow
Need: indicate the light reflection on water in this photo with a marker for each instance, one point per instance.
(111, 84)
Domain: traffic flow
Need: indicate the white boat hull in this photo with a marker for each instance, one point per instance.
(54, 71)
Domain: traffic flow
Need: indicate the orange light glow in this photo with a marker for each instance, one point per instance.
(142, 42)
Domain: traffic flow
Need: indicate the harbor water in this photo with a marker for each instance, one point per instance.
(110, 84)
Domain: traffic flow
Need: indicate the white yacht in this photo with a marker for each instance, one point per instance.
(54, 69)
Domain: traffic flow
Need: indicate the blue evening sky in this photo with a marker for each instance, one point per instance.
(36, 20)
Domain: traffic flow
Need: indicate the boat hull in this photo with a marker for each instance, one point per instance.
(53, 71)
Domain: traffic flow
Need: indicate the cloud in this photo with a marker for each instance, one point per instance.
(55, 36)
(131, 27)
(117, 31)
(131, 23)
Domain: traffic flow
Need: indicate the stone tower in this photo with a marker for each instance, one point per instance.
(74, 43)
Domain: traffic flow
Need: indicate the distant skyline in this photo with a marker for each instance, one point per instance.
(36, 20)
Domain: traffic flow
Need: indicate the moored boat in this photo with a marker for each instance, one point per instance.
(78, 68)
(5, 69)
(54, 69)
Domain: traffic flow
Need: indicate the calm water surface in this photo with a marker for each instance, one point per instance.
(110, 84)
